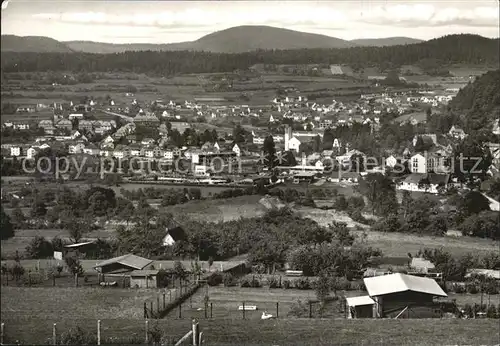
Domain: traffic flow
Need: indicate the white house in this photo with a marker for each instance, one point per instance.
(494, 205)
(391, 161)
(31, 153)
(174, 235)
(457, 132)
(294, 144)
(418, 164)
(75, 116)
(15, 151)
(430, 183)
(236, 149)
(76, 148)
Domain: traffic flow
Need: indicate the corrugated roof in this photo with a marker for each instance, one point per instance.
(129, 260)
(393, 283)
(79, 244)
(359, 301)
(144, 272)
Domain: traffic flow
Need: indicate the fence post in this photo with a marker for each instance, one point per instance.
(170, 294)
(29, 279)
(195, 333)
(2, 327)
(310, 309)
(277, 309)
(98, 332)
(180, 311)
(243, 310)
(158, 302)
(151, 308)
(76, 280)
(210, 310)
(147, 331)
(54, 334)
(163, 301)
(145, 311)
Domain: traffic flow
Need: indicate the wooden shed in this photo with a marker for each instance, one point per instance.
(404, 296)
(360, 307)
(122, 264)
(144, 278)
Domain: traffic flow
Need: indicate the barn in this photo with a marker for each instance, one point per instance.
(403, 296)
(122, 264)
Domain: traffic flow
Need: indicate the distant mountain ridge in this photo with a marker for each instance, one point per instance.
(233, 40)
(37, 44)
(385, 42)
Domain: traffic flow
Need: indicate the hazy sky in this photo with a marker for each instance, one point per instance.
(176, 21)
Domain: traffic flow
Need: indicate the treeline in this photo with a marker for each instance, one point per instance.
(480, 100)
(467, 49)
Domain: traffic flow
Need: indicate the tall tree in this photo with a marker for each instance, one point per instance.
(6, 227)
(269, 151)
(380, 192)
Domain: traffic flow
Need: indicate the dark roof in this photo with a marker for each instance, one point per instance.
(438, 179)
(177, 233)
(129, 260)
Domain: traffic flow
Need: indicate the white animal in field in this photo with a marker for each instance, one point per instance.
(266, 316)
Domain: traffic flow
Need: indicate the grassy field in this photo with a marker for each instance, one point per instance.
(221, 210)
(273, 332)
(399, 244)
(226, 300)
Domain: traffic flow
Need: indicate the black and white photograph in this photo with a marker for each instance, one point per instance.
(260, 173)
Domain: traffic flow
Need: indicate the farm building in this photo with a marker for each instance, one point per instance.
(401, 295)
(421, 265)
(360, 307)
(78, 250)
(122, 264)
(144, 278)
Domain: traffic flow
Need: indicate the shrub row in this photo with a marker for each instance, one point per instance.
(470, 311)
(302, 283)
(473, 288)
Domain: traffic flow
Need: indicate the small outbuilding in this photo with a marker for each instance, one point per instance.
(144, 278)
(405, 296)
(360, 307)
(122, 264)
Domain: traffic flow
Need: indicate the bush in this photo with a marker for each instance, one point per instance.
(458, 288)
(468, 311)
(303, 284)
(471, 288)
(286, 284)
(274, 282)
(215, 279)
(341, 284)
(299, 309)
(492, 312)
(230, 280)
(77, 337)
(250, 282)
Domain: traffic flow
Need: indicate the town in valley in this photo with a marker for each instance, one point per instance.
(255, 186)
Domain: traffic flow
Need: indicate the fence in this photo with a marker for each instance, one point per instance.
(190, 308)
(103, 333)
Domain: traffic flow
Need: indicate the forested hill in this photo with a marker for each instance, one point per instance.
(480, 100)
(461, 49)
